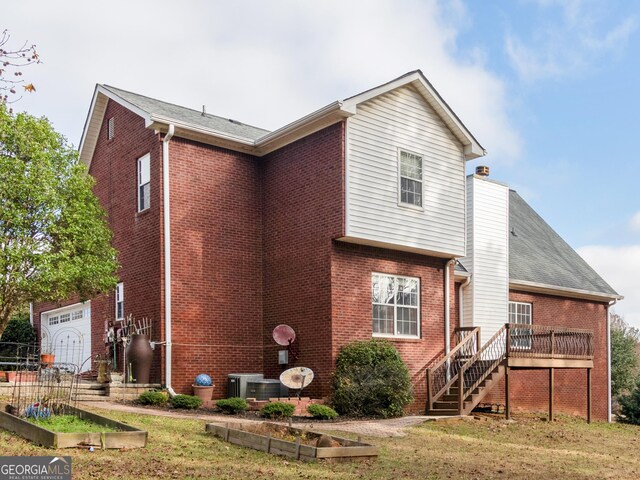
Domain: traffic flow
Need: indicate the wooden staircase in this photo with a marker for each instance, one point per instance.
(448, 403)
(459, 381)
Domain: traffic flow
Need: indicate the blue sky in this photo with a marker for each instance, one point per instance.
(549, 87)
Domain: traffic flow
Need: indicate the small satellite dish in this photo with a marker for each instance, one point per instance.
(284, 335)
(297, 378)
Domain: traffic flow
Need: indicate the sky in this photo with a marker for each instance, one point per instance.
(551, 88)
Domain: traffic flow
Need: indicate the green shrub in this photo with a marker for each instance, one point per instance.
(18, 331)
(152, 398)
(630, 406)
(190, 402)
(322, 412)
(277, 410)
(232, 405)
(371, 380)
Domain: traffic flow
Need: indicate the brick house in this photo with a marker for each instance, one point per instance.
(355, 221)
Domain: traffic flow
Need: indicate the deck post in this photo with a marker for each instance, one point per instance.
(460, 391)
(551, 394)
(507, 406)
(588, 395)
(429, 393)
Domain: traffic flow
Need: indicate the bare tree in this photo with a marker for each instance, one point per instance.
(12, 61)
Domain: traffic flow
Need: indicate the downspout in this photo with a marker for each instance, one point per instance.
(611, 304)
(447, 306)
(31, 313)
(166, 216)
(463, 285)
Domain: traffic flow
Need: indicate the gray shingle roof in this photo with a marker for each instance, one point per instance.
(188, 115)
(538, 254)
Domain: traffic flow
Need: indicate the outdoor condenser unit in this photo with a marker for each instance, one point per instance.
(237, 383)
(266, 389)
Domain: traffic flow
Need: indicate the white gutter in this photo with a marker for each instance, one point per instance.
(461, 301)
(31, 313)
(166, 216)
(609, 399)
(447, 306)
(536, 287)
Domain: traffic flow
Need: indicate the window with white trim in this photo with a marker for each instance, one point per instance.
(144, 182)
(520, 313)
(111, 128)
(120, 301)
(410, 172)
(53, 320)
(396, 305)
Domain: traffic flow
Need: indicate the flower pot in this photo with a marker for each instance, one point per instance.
(47, 359)
(22, 376)
(3, 376)
(139, 357)
(204, 393)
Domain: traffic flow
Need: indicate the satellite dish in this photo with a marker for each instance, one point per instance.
(284, 335)
(297, 378)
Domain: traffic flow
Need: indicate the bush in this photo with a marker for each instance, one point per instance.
(277, 410)
(152, 398)
(18, 331)
(630, 406)
(232, 405)
(322, 412)
(371, 380)
(189, 402)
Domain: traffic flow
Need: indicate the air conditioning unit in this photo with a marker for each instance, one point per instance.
(266, 389)
(237, 383)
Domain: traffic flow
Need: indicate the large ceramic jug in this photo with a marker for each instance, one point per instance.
(139, 356)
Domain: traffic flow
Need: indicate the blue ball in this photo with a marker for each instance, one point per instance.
(203, 380)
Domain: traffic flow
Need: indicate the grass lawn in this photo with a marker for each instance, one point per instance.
(70, 424)
(473, 449)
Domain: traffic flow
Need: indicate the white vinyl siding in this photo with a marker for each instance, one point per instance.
(520, 313)
(120, 301)
(395, 306)
(144, 182)
(401, 120)
(487, 296)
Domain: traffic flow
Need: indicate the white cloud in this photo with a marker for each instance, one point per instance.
(264, 63)
(620, 266)
(571, 44)
(634, 223)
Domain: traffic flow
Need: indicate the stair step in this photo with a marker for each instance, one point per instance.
(88, 398)
(444, 412)
(448, 405)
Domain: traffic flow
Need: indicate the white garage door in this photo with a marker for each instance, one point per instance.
(66, 332)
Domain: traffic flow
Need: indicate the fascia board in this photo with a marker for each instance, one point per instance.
(535, 287)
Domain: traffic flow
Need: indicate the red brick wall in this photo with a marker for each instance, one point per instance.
(216, 263)
(351, 269)
(529, 389)
(136, 236)
(303, 212)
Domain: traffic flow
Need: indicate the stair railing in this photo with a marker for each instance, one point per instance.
(477, 368)
(444, 372)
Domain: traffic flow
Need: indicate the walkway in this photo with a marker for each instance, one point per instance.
(392, 427)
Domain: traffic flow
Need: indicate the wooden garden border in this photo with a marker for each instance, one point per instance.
(128, 437)
(350, 449)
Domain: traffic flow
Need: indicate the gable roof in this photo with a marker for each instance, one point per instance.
(215, 130)
(540, 260)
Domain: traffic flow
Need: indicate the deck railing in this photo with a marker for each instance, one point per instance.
(542, 341)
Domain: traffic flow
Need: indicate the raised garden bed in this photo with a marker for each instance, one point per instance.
(292, 442)
(108, 433)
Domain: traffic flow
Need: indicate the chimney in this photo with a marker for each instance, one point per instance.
(482, 170)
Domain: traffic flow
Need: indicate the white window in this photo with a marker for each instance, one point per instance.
(144, 182)
(520, 313)
(410, 173)
(76, 315)
(53, 320)
(396, 305)
(111, 128)
(120, 301)
(65, 317)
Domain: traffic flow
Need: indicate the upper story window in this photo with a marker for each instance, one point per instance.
(396, 305)
(520, 313)
(111, 128)
(410, 188)
(120, 301)
(144, 182)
